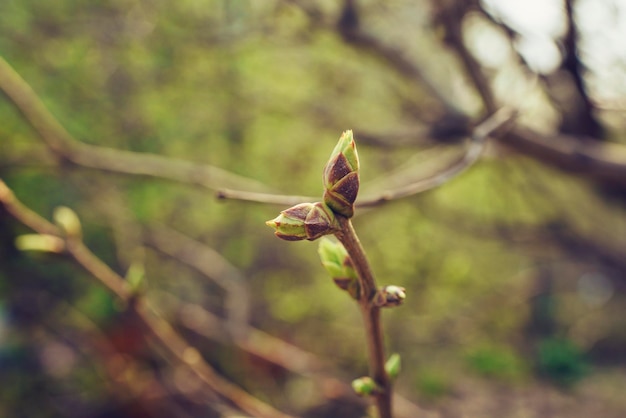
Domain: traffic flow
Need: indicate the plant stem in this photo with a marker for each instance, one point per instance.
(371, 314)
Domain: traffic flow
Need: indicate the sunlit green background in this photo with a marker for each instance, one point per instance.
(514, 308)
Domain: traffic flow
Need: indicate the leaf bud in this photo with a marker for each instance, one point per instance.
(341, 176)
(304, 221)
(365, 386)
(40, 242)
(67, 219)
(338, 264)
(389, 296)
(392, 366)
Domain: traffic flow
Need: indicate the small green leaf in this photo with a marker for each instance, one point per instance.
(392, 366)
(365, 386)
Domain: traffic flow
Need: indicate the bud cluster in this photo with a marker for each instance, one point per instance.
(341, 184)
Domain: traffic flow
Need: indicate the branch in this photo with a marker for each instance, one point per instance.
(155, 326)
(210, 264)
(371, 315)
(450, 15)
(471, 155)
(604, 163)
(280, 353)
(60, 142)
(584, 120)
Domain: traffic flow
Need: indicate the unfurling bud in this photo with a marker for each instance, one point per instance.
(40, 242)
(388, 296)
(341, 176)
(136, 277)
(304, 221)
(338, 264)
(67, 219)
(392, 366)
(365, 386)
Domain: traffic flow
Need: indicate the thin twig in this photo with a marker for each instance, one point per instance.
(371, 315)
(155, 326)
(451, 14)
(281, 353)
(209, 263)
(66, 148)
(472, 153)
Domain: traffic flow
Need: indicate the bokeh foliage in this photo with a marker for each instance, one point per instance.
(504, 266)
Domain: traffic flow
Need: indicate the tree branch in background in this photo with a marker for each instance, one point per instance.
(582, 120)
(60, 142)
(450, 15)
(351, 32)
(472, 153)
(602, 163)
(210, 264)
(283, 354)
(67, 241)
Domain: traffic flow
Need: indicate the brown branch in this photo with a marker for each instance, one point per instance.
(371, 315)
(472, 153)
(273, 199)
(154, 326)
(67, 149)
(450, 14)
(281, 353)
(210, 264)
(583, 121)
(604, 163)
(394, 57)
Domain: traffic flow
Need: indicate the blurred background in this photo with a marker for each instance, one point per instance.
(515, 270)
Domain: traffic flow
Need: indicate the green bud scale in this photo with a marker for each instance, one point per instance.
(392, 366)
(341, 176)
(365, 386)
(304, 221)
(338, 264)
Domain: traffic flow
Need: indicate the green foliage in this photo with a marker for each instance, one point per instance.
(561, 361)
(499, 362)
(261, 90)
(432, 384)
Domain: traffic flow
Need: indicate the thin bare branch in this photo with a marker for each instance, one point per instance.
(212, 265)
(602, 162)
(154, 325)
(371, 315)
(450, 14)
(273, 199)
(471, 155)
(66, 148)
(352, 34)
(281, 353)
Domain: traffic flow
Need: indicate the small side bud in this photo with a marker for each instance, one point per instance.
(39, 242)
(341, 176)
(389, 296)
(365, 386)
(136, 278)
(67, 220)
(392, 366)
(304, 221)
(338, 264)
